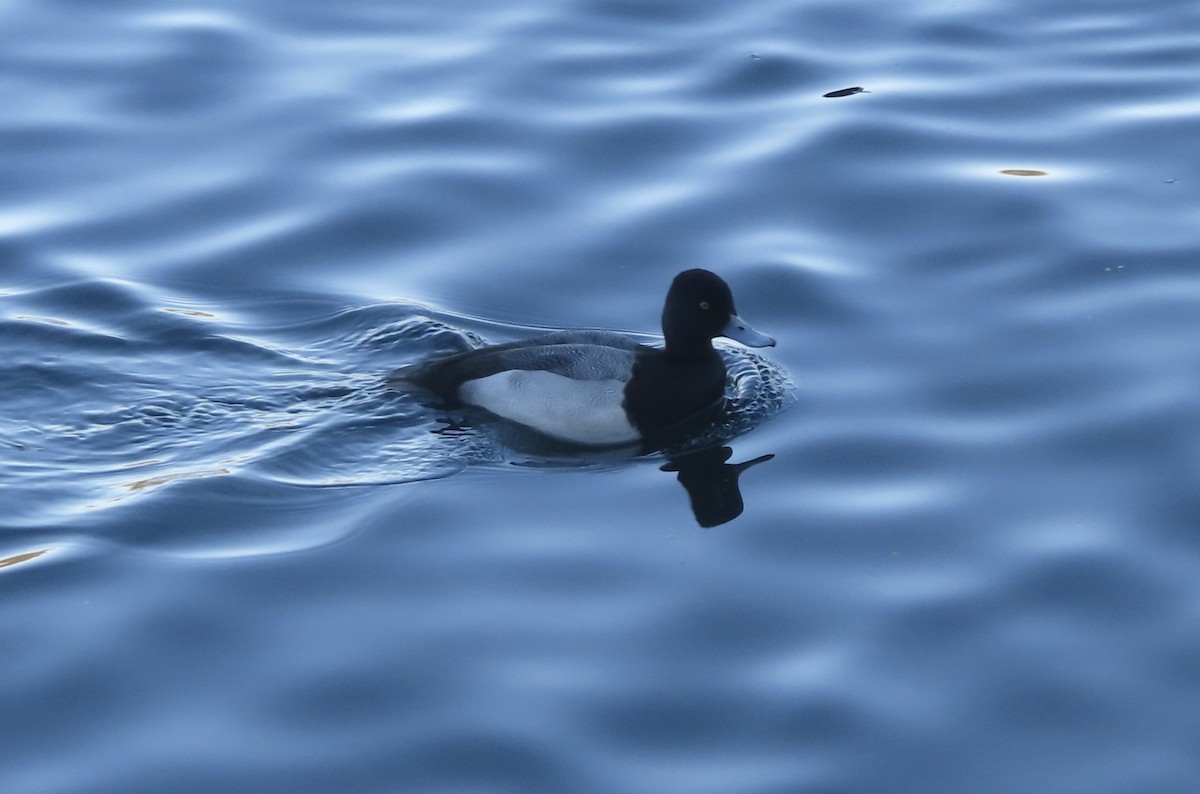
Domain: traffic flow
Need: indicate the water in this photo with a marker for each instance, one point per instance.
(232, 560)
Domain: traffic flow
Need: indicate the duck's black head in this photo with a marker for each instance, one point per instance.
(699, 307)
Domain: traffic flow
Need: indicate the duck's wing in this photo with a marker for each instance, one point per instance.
(576, 361)
(601, 338)
(580, 361)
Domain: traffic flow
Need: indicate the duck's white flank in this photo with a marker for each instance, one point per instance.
(579, 411)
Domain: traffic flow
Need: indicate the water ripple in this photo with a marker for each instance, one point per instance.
(972, 557)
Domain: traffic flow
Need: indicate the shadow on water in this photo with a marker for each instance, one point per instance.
(117, 397)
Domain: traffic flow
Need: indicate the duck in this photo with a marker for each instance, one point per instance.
(602, 388)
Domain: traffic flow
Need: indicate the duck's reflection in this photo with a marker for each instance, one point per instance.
(712, 483)
(710, 480)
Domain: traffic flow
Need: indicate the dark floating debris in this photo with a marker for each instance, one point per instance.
(858, 89)
(1023, 172)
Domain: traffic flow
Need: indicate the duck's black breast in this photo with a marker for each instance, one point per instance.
(667, 391)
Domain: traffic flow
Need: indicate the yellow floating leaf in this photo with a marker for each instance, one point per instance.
(16, 559)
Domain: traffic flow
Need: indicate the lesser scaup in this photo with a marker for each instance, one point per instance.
(600, 388)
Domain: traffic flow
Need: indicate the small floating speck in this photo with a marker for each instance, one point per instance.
(858, 89)
(137, 464)
(189, 312)
(1024, 172)
(154, 482)
(754, 56)
(50, 320)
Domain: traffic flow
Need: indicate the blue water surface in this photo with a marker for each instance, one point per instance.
(232, 559)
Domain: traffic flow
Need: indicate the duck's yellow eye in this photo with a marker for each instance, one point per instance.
(704, 305)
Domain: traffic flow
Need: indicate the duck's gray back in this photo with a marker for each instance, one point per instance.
(577, 355)
(580, 361)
